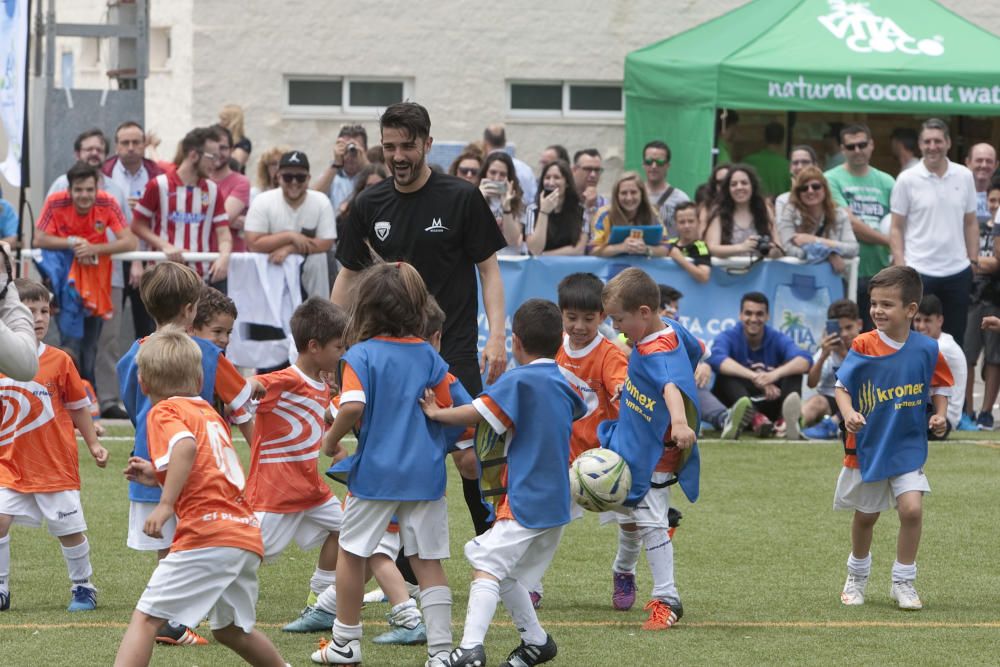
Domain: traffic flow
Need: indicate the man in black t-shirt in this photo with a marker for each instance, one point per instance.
(443, 226)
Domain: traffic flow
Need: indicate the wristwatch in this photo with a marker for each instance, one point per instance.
(334, 165)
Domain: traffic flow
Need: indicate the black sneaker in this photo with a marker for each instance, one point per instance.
(114, 412)
(468, 657)
(527, 655)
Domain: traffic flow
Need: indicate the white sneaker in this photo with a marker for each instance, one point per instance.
(331, 653)
(905, 595)
(438, 660)
(374, 596)
(854, 589)
(791, 411)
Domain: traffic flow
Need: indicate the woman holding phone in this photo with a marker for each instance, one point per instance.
(742, 223)
(502, 190)
(629, 207)
(553, 225)
(812, 226)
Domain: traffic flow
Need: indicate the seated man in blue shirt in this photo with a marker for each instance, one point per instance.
(758, 373)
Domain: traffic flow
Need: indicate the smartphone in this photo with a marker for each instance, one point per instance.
(635, 234)
(500, 187)
(832, 327)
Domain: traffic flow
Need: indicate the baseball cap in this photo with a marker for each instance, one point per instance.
(294, 159)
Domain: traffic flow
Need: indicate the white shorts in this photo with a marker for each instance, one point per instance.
(509, 550)
(389, 546)
(187, 585)
(871, 497)
(309, 528)
(423, 526)
(61, 510)
(652, 510)
(140, 541)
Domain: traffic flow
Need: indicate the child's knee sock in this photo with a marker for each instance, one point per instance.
(515, 597)
(629, 543)
(660, 556)
(4, 562)
(902, 572)
(327, 600)
(78, 563)
(406, 614)
(436, 602)
(484, 594)
(861, 567)
(321, 580)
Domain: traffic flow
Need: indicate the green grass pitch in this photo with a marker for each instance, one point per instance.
(760, 561)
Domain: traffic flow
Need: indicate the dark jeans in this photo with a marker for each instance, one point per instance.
(730, 389)
(712, 410)
(954, 292)
(85, 349)
(141, 321)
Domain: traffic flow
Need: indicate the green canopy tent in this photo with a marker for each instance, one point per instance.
(880, 56)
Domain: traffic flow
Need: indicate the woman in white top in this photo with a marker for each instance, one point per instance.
(812, 226)
(742, 223)
(500, 186)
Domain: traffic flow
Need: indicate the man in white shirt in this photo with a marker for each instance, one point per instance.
(294, 219)
(928, 321)
(934, 228)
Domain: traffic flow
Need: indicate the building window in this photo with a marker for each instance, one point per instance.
(346, 94)
(566, 98)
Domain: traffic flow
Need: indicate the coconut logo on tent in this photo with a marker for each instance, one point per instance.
(864, 32)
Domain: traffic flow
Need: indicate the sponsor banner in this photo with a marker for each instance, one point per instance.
(13, 83)
(799, 294)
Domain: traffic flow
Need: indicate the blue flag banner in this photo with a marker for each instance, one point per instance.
(799, 293)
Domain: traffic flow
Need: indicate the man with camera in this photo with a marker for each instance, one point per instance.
(349, 157)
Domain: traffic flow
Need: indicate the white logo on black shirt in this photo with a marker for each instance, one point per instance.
(382, 229)
(436, 226)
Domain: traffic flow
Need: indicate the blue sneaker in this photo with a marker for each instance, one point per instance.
(84, 599)
(967, 423)
(312, 619)
(827, 429)
(984, 422)
(403, 636)
(4, 600)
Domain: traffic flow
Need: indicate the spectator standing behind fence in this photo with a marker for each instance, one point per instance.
(500, 186)
(742, 224)
(467, 167)
(903, 143)
(587, 170)
(234, 187)
(294, 219)
(802, 156)
(553, 224)
(687, 249)
(182, 210)
(231, 118)
(708, 194)
(267, 171)
(495, 139)
(664, 197)
(982, 162)
(78, 222)
(934, 227)
(770, 161)
(865, 191)
(812, 227)
(350, 156)
(551, 154)
(629, 207)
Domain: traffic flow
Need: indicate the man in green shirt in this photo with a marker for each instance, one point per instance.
(865, 191)
(770, 162)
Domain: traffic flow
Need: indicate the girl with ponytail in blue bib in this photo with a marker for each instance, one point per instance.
(883, 387)
(399, 466)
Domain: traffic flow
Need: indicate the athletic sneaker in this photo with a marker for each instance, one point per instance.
(527, 655)
(738, 418)
(905, 595)
(4, 600)
(662, 616)
(967, 423)
(312, 599)
(827, 429)
(854, 589)
(536, 599)
(438, 660)
(82, 598)
(312, 619)
(468, 657)
(402, 635)
(332, 653)
(791, 410)
(179, 635)
(984, 422)
(375, 596)
(623, 596)
(761, 426)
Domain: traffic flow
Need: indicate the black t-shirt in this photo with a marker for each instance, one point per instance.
(443, 229)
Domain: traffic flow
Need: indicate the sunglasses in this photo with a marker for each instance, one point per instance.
(650, 161)
(815, 187)
(860, 146)
(468, 171)
(593, 170)
(298, 178)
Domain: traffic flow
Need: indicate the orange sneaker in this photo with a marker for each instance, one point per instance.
(179, 635)
(661, 615)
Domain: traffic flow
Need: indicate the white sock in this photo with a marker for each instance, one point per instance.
(660, 556)
(322, 579)
(4, 562)
(518, 603)
(902, 572)
(327, 600)
(406, 614)
(484, 594)
(629, 543)
(343, 633)
(78, 563)
(860, 567)
(436, 602)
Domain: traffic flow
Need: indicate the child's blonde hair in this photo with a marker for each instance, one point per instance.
(167, 288)
(170, 363)
(631, 289)
(389, 299)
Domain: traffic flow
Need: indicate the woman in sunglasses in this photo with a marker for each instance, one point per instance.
(742, 223)
(812, 226)
(467, 167)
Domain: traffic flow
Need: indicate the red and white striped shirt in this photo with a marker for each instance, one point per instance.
(184, 216)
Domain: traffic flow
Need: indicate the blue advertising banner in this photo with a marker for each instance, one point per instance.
(799, 293)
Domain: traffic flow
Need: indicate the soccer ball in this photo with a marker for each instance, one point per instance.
(599, 480)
